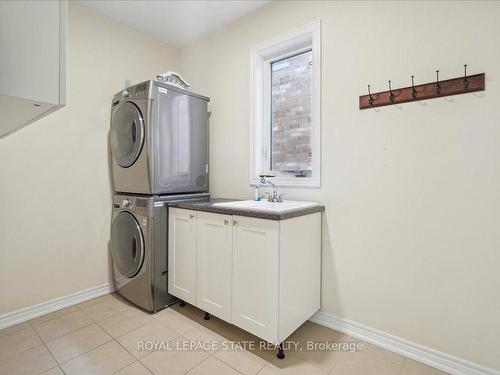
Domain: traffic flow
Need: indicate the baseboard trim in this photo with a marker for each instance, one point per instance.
(43, 308)
(442, 361)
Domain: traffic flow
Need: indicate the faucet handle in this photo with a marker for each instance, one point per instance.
(269, 196)
(280, 197)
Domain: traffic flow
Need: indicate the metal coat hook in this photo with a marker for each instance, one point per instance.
(372, 99)
(417, 91)
(438, 86)
(466, 82)
(391, 94)
(413, 91)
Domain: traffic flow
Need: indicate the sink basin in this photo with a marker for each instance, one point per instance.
(265, 206)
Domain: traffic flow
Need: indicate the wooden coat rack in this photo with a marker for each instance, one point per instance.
(429, 90)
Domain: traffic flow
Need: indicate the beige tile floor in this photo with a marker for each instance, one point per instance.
(101, 336)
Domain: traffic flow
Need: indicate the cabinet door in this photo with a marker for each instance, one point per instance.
(255, 276)
(214, 256)
(182, 254)
(30, 41)
(32, 62)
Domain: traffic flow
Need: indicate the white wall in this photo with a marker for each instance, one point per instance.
(55, 193)
(411, 240)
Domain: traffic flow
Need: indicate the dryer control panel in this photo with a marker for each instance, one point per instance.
(139, 91)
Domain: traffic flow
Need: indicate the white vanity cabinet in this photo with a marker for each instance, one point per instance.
(182, 254)
(214, 249)
(260, 275)
(256, 276)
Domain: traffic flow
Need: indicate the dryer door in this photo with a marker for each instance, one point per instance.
(127, 244)
(127, 133)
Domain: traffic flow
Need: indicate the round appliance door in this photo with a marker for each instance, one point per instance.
(127, 134)
(127, 244)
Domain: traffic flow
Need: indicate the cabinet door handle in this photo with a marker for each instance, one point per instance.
(191, 216)
(226, 221)
(235, 222)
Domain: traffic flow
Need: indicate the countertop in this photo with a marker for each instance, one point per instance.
(208, 206)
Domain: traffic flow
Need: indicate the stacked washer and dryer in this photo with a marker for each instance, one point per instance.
(159, 147)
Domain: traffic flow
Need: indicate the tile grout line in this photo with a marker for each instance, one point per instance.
(213, 354)
(119, 343)
(68, 333)
(76, 330)
(114, 338)
(72, 358)
(199, 363)
(155, 319)
(108, 333)
(97, 323)
(44, 344)
(60, 317)
(128, 351)
(262, 369)
(135, 359)
(166, 326)
(140, 359)
(235, 369)
(25, 350)
(55, 317)
(175, 339)
(220, 359)
(335, 363)
(46, 347)
(401, 370)
(403, 366)
(142, 363)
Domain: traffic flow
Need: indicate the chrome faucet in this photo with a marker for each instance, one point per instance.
(274, 197)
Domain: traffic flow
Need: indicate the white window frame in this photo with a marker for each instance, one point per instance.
(300, 40)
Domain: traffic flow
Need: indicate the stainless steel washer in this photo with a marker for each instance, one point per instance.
(159, 140)
(139, 248)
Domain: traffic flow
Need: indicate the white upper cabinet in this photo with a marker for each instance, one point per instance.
(33, 63)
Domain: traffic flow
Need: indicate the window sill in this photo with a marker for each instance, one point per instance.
(303, 182)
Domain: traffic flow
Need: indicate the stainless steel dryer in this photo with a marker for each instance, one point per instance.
(159, 140)
(139, 248)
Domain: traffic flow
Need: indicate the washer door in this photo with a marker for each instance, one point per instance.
(127, 244)
(127, 134)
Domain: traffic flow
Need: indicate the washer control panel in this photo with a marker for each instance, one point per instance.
(135, 204)
(141, 205)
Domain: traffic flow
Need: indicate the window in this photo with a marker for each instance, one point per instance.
(286, 109)
(291, 148)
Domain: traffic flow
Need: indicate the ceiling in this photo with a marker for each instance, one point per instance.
(176, 22)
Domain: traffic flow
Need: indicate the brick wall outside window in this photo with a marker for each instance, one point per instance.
(291, 113)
